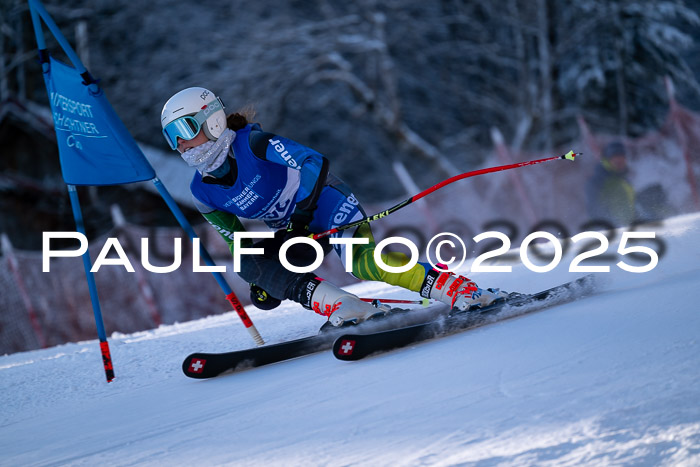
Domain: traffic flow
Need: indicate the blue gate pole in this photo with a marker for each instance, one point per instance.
(92, 287)
(38, 12)
(230, 295)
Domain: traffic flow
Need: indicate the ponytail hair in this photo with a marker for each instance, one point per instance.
(238, 120)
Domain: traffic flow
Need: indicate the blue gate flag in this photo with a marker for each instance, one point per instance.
(94, 146)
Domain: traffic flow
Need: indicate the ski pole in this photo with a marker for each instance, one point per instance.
(423, 301)
(225, 287)
(571, 155)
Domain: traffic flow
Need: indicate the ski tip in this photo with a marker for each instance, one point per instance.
(571, 155)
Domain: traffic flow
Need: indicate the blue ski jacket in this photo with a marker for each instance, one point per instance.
(273, 177)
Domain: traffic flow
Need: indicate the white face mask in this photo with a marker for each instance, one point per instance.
(209, 156)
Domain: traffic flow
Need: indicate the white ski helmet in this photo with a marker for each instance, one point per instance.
(190, 110)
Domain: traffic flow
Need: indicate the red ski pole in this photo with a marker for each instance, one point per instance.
(423, 301)
(571, 155)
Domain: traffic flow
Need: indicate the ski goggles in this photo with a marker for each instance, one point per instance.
(188, 127)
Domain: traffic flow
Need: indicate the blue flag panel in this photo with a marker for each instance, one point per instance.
(94, 146)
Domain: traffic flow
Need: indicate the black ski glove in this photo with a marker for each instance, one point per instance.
(298, 226)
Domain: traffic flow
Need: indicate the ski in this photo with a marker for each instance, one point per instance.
(356, 346)
(202, 365)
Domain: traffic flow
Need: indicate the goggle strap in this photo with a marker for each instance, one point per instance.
(209, 109)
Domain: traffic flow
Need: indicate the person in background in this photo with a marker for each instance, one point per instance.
(609, 194)
(245, 172)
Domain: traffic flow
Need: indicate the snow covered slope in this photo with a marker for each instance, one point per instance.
(610, 379)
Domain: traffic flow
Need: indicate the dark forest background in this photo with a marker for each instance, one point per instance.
(368, 82)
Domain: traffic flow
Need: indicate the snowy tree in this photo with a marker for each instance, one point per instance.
(615, 71)
(369, 81)
(13, 77)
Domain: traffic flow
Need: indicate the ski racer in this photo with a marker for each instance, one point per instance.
(245, 172)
